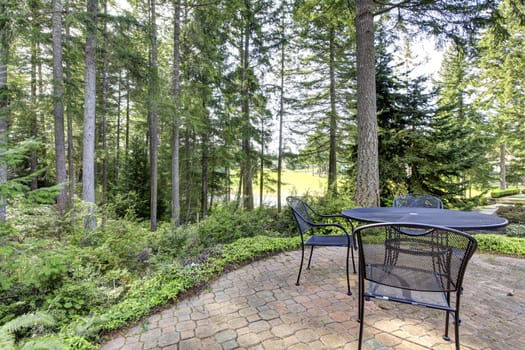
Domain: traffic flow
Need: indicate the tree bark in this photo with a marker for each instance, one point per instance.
(261, 170)
(175, 138)
(104, 108)
(204, 176)
(70, 156)
(88, 149)
(34, 115)
(246, 170)
(119, 127)
(367, 186)
(4, 102)
(153, 117)
(281, 115)
(58, 110)
(502, 168)
(69, 117)
(332, 158)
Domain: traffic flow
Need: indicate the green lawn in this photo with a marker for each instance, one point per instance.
(295, 182)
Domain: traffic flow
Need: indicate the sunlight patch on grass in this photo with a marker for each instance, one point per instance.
(294, 182)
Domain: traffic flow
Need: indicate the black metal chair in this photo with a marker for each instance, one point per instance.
(414, 264)
(321, 233)
(418, 200)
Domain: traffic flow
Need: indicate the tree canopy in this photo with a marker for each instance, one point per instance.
(191, 89)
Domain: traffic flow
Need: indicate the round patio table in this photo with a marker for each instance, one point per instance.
(457, 219)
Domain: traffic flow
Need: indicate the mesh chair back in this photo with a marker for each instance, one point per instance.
(414, 257)
(420, 201)
(301, 212)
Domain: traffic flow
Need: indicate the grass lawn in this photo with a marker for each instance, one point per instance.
(295, 182)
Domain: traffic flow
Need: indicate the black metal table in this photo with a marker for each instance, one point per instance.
(457, 219)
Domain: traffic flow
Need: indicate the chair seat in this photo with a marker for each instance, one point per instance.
(328, 241)
(430, 290)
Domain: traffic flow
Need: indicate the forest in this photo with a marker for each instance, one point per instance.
(135, 136)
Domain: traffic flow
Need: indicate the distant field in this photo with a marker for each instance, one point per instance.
(295, 182)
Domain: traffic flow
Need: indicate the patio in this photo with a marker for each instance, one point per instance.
(259, 307)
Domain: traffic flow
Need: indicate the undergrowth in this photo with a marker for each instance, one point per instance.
(92, 284)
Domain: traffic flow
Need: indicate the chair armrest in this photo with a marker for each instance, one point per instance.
(341, 227)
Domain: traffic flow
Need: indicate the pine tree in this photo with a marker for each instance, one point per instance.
(502, 82)
(325, 66)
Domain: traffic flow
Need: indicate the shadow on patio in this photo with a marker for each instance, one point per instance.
(260, 307)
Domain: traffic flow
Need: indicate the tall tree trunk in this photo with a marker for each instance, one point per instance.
(58, 110)
(367, 186)
(153, 117)
(228, 191)
(88, 149)
(188, 141)
(246, 169)
(4, 102)
(128, 113)
(204, 176)
(332, 158)
(281, 116)
(502, 167)
(119, 111)
(69, 114)
(261, 169)
(175, 138)
(104, 108)
(34, 114)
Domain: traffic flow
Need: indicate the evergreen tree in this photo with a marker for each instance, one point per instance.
(501, 82)
(463, 127)
(88, 155)
(423, 148)
(326, 66)
(459, 21)
(58, 97)
(6, 33)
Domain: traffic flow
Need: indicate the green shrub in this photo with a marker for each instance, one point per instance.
(76, 299)
(227, 223)
(499, 244)
(503, 193)
(118, 245)
(514, 213)
(515, 231)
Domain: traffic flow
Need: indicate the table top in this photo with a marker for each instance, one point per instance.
(457, 219)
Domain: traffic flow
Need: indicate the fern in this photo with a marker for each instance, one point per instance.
(45, 343)
(8, 339)
(27, 320)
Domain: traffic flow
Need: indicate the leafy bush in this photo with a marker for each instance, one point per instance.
(228, 223)
(76, 299)
(29, 271)
(500, 244)
(503, 193)
(515, 231)
(515, 213)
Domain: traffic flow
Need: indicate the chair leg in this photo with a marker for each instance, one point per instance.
(353, 260)
(361, 314)
(300, 266)
(456, 328)
(348, 269)
(447, 317)
(310, 258)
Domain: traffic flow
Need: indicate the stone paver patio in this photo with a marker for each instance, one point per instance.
(260, 307)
